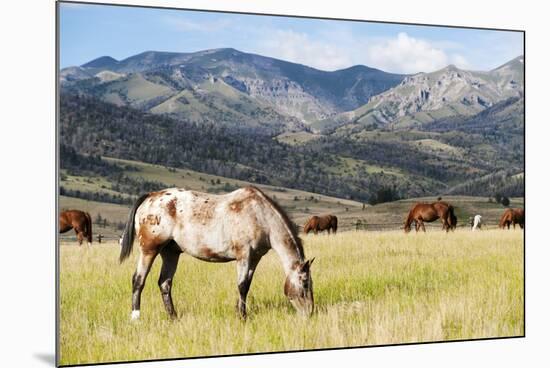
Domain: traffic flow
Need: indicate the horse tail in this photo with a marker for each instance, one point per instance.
(501, 222)
(308, 226)
(334, 223)
(451, 217)
(130, 231)
(409, 219)
(504, 219)
(88, 227)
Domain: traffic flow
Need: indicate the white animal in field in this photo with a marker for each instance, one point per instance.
(477, 223)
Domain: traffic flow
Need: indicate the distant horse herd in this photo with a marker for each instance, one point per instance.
(240, 226)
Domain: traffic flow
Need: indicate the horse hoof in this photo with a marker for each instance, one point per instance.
(135, 315)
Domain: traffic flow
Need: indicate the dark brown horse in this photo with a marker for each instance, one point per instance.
(429, 212)
(80, 221)
(321, 223)
(512, 216)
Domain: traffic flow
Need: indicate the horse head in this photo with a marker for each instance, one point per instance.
(299, 288)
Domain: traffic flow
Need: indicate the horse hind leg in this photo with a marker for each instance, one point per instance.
(170, 254)
(144, 264)
(446, 225)
(79, 235)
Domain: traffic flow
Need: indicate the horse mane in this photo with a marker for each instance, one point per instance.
(289, 224)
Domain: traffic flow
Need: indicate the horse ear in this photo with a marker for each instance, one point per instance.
(306, 265)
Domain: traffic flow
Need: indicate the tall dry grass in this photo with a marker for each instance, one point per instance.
(370, 288)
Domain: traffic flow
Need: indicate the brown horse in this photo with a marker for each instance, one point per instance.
(80, 221)
(240, 226)
(321, 223)
(512, 216)
(429, 212)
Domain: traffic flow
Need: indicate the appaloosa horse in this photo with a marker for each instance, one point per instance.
(80, 221)
(512, 216)
(429, 212)
(240, 226)
(321, 223)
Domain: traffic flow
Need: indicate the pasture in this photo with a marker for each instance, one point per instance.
(370, 288)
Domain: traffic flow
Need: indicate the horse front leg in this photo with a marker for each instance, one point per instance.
(245, 272)
(422, 226)
(144, 264)
(170, 255)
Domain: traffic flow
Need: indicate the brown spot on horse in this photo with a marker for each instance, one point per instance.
(203, 212)
(171, 206)
(237, 206)
(149, 241)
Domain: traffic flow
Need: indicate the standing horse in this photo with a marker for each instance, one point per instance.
(80, 221)
(476, 222)
(321, 223)
(512, 216)
(240, 226)
(429, 212)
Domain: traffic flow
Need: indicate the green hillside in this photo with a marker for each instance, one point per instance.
(300, 205)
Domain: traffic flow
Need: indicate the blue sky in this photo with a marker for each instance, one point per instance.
(90, 31)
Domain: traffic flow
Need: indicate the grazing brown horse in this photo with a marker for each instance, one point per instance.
(80, 221)
(321, 223)
(428, 212)
(512, 216)
(240, 226)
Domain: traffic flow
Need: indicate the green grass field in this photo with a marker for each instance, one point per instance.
(370, 288)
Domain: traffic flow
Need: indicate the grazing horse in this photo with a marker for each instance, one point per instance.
(512, 216)
(476, 222)
(321, 223)
(80, 221)
(240, 226)
(428, 212)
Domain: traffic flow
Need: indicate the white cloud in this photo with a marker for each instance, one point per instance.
(399, 54)
(406, 54)
(187, 25)
(300, 48)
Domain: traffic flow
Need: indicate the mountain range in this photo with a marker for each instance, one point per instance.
(257, 92)
(439, 131)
